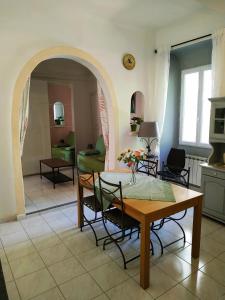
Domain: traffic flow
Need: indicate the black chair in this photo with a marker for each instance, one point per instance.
(148, 167)
(174, 172)
(91, 202)
(113, 211)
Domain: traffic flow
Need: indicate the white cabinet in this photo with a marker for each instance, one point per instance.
(213, 187)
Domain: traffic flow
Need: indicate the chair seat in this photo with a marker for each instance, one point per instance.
(92, 203)
(123, 222)
(169, 176)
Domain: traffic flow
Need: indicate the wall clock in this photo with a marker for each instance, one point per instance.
(129, 61)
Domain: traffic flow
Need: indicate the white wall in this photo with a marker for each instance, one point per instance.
(37, 144)
(27, 29)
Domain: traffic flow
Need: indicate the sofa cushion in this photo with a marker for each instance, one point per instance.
(89, 152)
(100, 146)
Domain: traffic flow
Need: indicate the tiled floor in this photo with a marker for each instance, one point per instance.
(39, 193)
(46, 257)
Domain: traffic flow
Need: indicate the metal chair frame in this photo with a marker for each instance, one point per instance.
(118, 202)
(148, 167)
(179, 176)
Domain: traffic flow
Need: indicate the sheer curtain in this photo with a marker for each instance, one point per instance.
(24, 112)
(158, 104)
(104, 123)
(218, 63)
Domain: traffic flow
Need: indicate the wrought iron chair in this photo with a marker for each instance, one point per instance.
(110, 195)
(90, 202)
(174, 172)
(148, 167)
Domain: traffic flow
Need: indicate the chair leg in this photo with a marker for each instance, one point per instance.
(131, 231)
(160, 242)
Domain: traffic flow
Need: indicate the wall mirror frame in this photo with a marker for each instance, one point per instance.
(58, 113)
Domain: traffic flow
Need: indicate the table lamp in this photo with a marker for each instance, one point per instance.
(148, 132)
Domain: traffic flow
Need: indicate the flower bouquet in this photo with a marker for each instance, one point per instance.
(131, 159)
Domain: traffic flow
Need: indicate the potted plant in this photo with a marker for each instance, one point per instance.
(135, 122)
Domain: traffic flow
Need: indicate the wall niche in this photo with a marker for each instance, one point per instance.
(136, 111)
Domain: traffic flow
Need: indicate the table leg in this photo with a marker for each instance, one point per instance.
(73, 173)
(80, 218)
(145, 254)
(196, 231)
(53, 172)
(40, 170)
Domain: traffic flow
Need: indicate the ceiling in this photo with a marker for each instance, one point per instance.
(60, 68)
(150, 13)
(137, 13)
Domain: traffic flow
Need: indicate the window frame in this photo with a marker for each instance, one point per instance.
(200, 70)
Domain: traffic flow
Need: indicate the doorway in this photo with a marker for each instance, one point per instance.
(104, 80)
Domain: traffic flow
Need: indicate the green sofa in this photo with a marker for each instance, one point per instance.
(66, 150)
(92, 159)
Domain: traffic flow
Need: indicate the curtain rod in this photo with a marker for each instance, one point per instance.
(186, 42)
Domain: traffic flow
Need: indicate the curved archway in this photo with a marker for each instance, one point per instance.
(105, 82)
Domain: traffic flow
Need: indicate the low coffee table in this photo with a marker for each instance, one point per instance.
(55, 176)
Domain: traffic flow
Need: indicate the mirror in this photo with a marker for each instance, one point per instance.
(136, 110)
(58, 110)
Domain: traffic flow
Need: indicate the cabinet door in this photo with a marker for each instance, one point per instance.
(214, 195)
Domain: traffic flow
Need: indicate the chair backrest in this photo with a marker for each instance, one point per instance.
(148, 167)
(86, 179)
(70, 139)
(100, 146)
(176, 160)
(110, 194)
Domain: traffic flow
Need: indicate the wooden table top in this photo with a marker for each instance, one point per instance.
(56, 163)
(184, 198)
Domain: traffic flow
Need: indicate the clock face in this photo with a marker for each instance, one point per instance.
(129, 61)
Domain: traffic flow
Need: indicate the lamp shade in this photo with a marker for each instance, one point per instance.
(148, 129)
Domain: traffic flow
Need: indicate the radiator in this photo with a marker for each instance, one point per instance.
(193, 162)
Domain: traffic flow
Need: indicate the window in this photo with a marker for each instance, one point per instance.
(196, 86)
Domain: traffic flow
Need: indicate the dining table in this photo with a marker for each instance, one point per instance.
(147, 212)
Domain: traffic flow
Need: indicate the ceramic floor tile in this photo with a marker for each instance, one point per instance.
(27, 264)
(128, 290)
(10, 227)
(216, 270)
(178, 292)
(160, 282)
(101, 297)
(203, 286)
(219, 235)
(222, 256)
(80, 288)
(79, 243)
(175, 267)
(34, 284)
(66, 270)
(93, 258)
(108, 275)
(12, 291)
(53, 294)
(19, 250)
(3, 256)
(7, 272)
(14, 238)
(204, 258)
(38, 230)
(46, 241)
(212, 246)
(55, 254)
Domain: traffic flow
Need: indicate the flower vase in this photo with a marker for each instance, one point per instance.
(133, 177)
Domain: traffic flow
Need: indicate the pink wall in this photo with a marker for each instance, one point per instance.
(62, 93)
